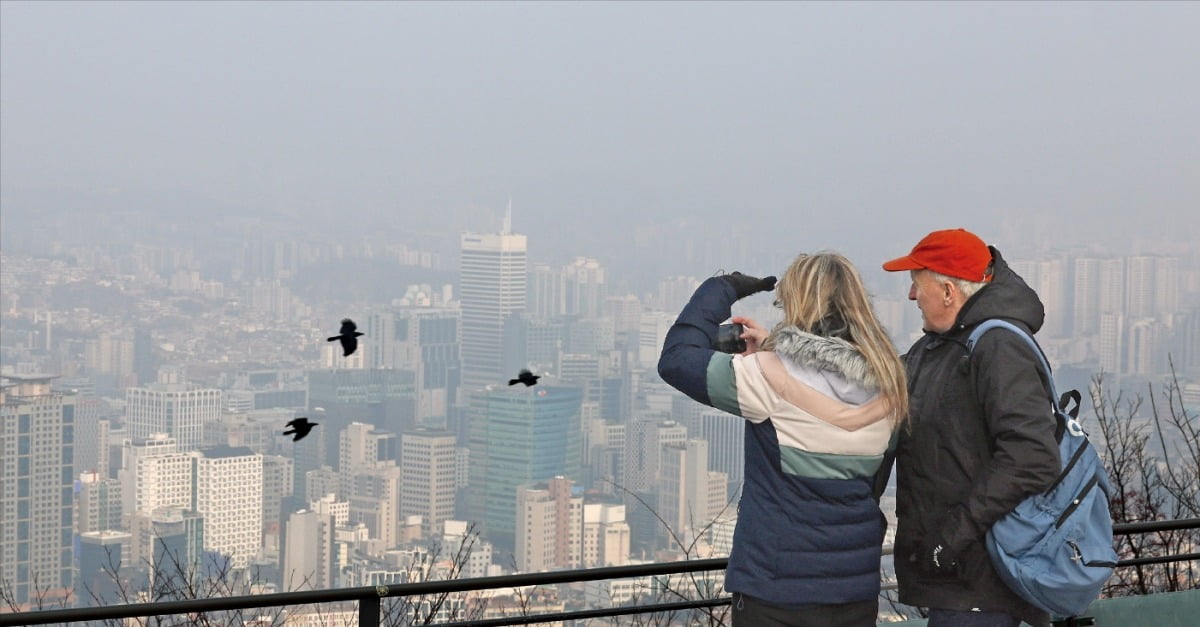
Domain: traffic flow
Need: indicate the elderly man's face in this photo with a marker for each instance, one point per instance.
(939, 301)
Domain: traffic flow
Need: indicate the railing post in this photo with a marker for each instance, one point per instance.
(368, 612)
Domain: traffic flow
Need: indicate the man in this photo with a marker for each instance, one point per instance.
(981, 437)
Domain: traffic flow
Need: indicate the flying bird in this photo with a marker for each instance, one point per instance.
(348, 336)
(300, 427)
(526, 377)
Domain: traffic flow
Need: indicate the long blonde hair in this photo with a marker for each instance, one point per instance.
(823, 294)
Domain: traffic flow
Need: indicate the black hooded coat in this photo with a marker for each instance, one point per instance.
(981, 439)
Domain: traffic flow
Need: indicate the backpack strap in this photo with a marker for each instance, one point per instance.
(1056, 401)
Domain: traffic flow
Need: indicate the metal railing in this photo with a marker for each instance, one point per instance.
(369, 598)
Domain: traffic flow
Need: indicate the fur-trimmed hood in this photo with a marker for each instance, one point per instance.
(827, 354)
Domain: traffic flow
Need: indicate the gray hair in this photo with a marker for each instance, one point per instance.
(968, 288)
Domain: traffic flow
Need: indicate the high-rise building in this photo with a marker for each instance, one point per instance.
(102, 557)
(308, 551)
(690, 496)
(424, 340)
(519, 436)
(382, 398)
(375, 502)
(228, 488)
(97, 503)
(644, 442)
(726, 437)
(36, 485)
(546, 296)
(586, 288)
(362, 447)
(428, 460)
(178, 409)
(549, 526)
(492, 286)
(1112, 342)
(1048, 278)
(278, 485)
(606, 535)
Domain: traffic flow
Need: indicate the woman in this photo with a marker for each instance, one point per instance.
(822, 394)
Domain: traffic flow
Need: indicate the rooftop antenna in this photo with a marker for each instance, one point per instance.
(504, 230)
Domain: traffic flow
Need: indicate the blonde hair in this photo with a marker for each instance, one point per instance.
(823, 294)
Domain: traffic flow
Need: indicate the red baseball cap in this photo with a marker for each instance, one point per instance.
(953, 252)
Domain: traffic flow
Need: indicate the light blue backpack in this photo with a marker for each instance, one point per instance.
(1056, 548)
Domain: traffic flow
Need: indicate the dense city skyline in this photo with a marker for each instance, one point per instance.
(193, 196)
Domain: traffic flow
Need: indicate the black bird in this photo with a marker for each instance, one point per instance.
(526, 377)
(300, 427)
(348, 336)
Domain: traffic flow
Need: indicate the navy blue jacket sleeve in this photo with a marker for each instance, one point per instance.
(687, 349)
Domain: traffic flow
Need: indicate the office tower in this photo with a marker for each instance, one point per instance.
(170, 540)
(651, 335)
(428, 460)
(546, 296)
(626, 312)
(228, 486)
(492, 286)
(603, 453)
(425, 341)
(549, 526)
(103, 556)
(590, 336)
(320, 482)
(98, 503)
(36, 482)
(361, 447)
(726, 437)
(533, 343)
(374, 501)
(308, 551)
(87, 430)
(644, 441)
(586, 288)
(518, 436)
(606, 536)
(689, 496)
(145, 364)
(383, 399)
(278, 485)
(178, 409)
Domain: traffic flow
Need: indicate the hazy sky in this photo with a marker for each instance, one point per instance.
(838, 125)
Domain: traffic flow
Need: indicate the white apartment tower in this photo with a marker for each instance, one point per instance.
(492, 283)
(229, 483)
(178, 409)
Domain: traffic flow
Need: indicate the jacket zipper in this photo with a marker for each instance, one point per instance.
(1075, 502)
(1070, 465)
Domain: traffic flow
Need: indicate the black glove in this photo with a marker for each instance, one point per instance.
(744, 285)
(935, 557)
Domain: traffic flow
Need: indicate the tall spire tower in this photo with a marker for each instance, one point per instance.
(492, 280)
